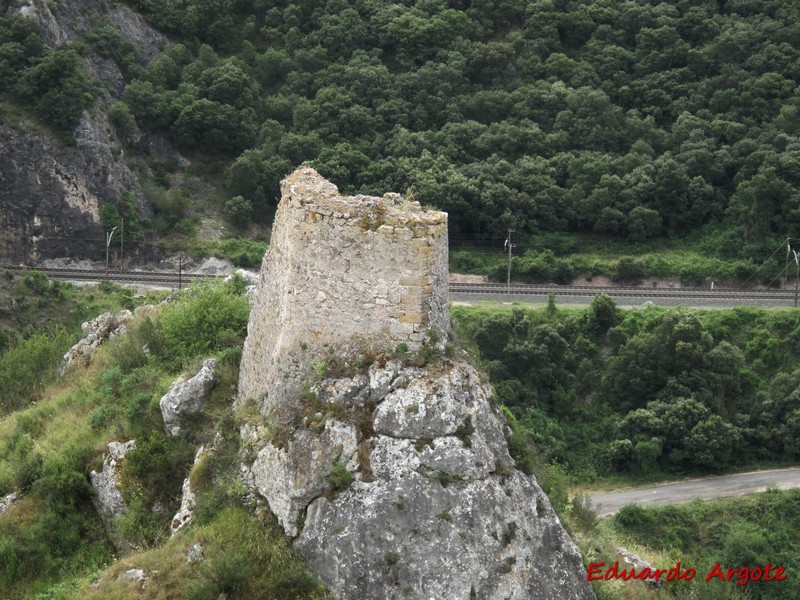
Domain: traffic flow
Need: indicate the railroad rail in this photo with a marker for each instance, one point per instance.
(497, 290)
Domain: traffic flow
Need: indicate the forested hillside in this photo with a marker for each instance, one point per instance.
(604, 392)
(628, 118)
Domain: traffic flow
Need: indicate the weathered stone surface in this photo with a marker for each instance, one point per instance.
(97, 331)
(445, 515)
(6, 502)
(639, 564)
(107, 497)
(50, 192)
(395, 480)
(195, 554)
(289, 478)
(133, 575)
(247, 276)
(185, 513)
(341, 268)
(187, 396)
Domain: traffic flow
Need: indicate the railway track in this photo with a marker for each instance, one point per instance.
(466, 290)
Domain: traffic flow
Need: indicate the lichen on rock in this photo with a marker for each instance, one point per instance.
(107, 496)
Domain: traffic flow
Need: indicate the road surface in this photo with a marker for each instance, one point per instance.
(706, 488)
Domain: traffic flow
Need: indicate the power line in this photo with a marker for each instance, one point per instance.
(764, 263)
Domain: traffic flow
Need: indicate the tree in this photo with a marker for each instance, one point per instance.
(238, 211)
(643, 224)
(216, 128)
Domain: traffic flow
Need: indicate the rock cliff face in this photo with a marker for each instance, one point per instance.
(390, 468)
(51, 193)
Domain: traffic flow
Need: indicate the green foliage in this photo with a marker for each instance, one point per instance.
(243, 252)
(238, 211)
(736, 533)
(204, 319)
(603, 391)
(632, 121)
(340, 478)
(27, 366)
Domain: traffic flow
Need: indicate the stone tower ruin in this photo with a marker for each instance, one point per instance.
(342, 269)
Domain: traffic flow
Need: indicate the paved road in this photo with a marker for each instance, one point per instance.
(706, 488)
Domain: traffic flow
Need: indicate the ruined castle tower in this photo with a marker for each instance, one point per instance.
(393, 476)
(341, 269)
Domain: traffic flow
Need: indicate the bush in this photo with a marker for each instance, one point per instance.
(243, 253)
(27, 366)
(208, 317)
(635, 520)
(238, 211)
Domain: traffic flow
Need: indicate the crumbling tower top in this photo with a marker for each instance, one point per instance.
(341, 268)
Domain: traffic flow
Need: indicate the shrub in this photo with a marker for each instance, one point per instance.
(238, 211)
(635, 520)
(208, 317)
(27, 366)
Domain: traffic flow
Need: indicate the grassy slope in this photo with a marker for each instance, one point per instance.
(51, 542)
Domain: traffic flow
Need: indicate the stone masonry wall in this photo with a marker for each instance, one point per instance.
(341, 269)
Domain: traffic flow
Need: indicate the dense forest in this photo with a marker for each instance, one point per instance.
(631, 119)
(602, 392)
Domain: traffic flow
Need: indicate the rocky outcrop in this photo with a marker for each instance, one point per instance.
(390, 469)
(338, 268)
(185, 514)
(51, 193)
(6, 502)
(107, 497)
(98, 331)
(187, 396)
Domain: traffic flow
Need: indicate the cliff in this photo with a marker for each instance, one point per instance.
(51, 192)
(380, 453)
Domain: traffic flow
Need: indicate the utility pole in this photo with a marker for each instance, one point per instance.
(796, 276)
(509, 245)
(122, 243)
(180, 271)
(109, 235)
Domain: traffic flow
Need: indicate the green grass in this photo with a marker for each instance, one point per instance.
(52, 542)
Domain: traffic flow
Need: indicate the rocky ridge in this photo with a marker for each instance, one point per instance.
(51, 193)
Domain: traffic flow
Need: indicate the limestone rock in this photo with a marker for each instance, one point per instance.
(443, 512)
(188, 501)
(184, 515)
(51, 193)
(289, 478)
(341, 268)
(195, 554)
(98, 331)
(247, 276)
(187, 396)
(6, 502)
(107, 497)
(133, 575)
(639, 564)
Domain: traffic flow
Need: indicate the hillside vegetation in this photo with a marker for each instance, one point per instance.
(627, 119)
(52, 543)
(604, 393)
